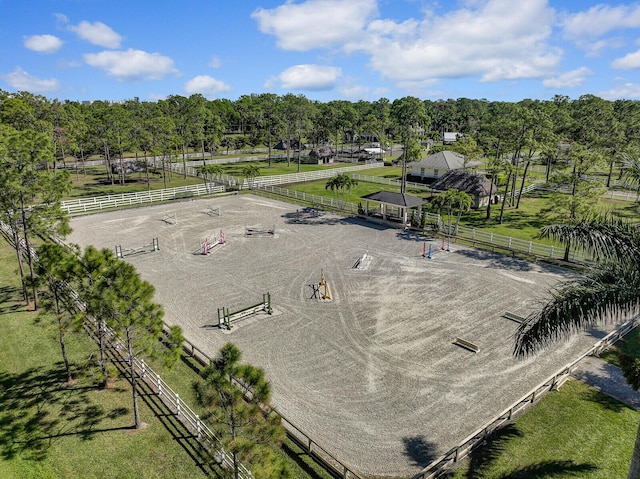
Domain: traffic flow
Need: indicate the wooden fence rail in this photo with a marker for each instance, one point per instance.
(443, 463)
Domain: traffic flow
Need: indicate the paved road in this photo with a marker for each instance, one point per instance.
(608, 379)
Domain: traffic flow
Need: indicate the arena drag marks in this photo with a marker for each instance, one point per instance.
(373, 375)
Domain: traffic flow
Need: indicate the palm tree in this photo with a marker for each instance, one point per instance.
(209, 173)
(450, 200)
(250, 171)
(631, 174)
(341, 183)
(608, 291)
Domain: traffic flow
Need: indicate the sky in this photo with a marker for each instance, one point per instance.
(499, 50)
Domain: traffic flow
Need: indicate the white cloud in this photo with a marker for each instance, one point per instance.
(629, 91)
(630, 61)
(570, 79)
(132, 64)
(22, 81)
(496, 41)
(316, 23)
(97, 33)
(309, 77)
(206, 85)
(600, 20)
(42, 43)
(215, 62)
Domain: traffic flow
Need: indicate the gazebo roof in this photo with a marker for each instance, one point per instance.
(395, 199)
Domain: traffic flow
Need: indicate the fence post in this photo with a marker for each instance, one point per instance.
(198, 425)
(159, 381)
(177, 405)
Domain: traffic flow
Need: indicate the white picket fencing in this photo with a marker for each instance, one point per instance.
(94, 204)
(118, 350)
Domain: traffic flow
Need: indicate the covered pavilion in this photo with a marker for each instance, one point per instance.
(389, 200)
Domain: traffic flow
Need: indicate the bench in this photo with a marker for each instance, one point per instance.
(467, 345)
(514, 317)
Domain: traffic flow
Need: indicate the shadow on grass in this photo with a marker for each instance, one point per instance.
(298, 457)
(482, 459)
(8, 301)
(36, 409)
(550, 469)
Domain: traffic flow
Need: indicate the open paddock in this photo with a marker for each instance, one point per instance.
(374, 374)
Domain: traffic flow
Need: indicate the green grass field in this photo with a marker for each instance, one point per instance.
(48, 431)
(574, 432)
(96, 183)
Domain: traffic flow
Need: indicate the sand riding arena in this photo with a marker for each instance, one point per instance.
(368, 366)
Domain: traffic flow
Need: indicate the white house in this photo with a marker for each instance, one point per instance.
(438, 164)
(449, 137)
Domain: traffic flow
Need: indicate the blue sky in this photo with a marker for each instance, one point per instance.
(324, 49)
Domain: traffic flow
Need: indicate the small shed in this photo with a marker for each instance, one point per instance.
(476, 185)
(390, 202)
(322, 155)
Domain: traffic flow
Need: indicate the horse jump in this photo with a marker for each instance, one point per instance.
(209, 244)
(321, 290)
(431, 251)
(147, 248)
(213, 211)
(225, 318)
(260, 232)
(170, 218)
(363, 262)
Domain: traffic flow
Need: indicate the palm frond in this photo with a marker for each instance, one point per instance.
(605, 237)
(610, 292)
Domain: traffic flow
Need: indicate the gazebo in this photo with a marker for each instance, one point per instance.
(388, 199)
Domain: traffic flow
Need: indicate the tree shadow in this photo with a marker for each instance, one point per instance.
(36, 409)
(485, 456)
(420, 451)
(8, 301)
(549, 469)
(310, 216)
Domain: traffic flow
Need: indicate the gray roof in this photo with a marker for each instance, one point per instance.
(396, 199)
(443, 160)
(321, 152)
(473, 183)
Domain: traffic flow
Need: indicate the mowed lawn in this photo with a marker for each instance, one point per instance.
(49, 431)
(574, 432)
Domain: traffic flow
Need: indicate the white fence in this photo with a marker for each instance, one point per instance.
(260, 181)
(520, 245)
(183, 413)
(472, 235)
(81, 206)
